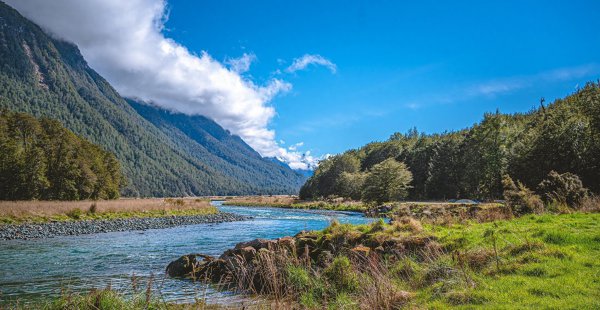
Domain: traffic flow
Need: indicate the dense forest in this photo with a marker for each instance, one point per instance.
(563, 137)
(162, 153)
(40, 159)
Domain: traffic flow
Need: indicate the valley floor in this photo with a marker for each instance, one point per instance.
(535, 261)
(292, 202)
(35, 211)
(45, 219)
(450, 258)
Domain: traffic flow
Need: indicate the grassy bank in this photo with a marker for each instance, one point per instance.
(535, 261)
(108, 299)
(15, 212)
(292, 202)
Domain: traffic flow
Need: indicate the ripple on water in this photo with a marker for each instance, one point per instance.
(37, 268)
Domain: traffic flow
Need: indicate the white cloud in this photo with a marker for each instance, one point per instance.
(308, 59)
(123, 41)
(298, 160)
(295, 146)
(242, 64)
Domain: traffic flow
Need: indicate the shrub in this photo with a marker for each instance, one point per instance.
(75, 214)
(521, 199)
(565, 188)
(341, 275)
(93, 208)
(405, 269)
(590, 204)
(298, 278)
(378, 225)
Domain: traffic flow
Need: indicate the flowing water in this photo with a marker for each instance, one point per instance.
(35, 269)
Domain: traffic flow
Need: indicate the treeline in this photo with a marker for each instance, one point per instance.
(40, 159)
(563, 137)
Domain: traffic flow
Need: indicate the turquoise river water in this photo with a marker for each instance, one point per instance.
(35, 269)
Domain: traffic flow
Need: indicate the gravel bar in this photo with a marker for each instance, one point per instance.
(52, 229)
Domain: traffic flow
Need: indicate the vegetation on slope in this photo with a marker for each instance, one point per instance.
(206, 140)
(47, 77)
(40, 159)
(562, 137)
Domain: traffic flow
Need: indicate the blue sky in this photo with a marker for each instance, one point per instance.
(436, 66)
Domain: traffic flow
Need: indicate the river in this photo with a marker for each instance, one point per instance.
(36, 269)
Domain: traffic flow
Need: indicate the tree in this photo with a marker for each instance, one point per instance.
(40, 159)
(470, 163)
(519, 198)
(350, 185)
(387, 181)
(565, 188)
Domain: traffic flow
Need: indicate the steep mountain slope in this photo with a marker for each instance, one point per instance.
(209, 142)
(44, 76)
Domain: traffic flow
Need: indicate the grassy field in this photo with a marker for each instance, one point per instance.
(42, 211)
(292, 202)
(546, 261)
(533, 262)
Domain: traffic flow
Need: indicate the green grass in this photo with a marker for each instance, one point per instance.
(532, 262)
(107, 299)
(78, 215)
(547, 261)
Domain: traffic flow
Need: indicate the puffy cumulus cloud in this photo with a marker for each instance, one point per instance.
(123, 41)
(297, 160)
(308, 59)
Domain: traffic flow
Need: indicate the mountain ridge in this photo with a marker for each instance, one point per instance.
(49, 77)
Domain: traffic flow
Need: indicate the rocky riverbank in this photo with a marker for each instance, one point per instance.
(72, 228)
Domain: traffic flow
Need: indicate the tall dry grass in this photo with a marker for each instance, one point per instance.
(28, 209)
(590, 204)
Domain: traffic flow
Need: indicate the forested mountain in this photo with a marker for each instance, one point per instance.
(47, 77)
(210, 143)
(40, 159)
(471, 163)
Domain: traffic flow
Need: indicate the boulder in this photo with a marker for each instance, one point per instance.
(287, 242)
(248, 253)
(186, 265)
(256, 244)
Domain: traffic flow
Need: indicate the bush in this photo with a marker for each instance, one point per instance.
(521, 199)
(93, 208)
(564, 188)
(341, 276)
(590, 204)
(298, 278)
(75, 214)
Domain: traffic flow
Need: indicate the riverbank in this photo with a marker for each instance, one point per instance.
(292, 202)
(17, 212)
(143, 299)
(81, 227)
(534, 261)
